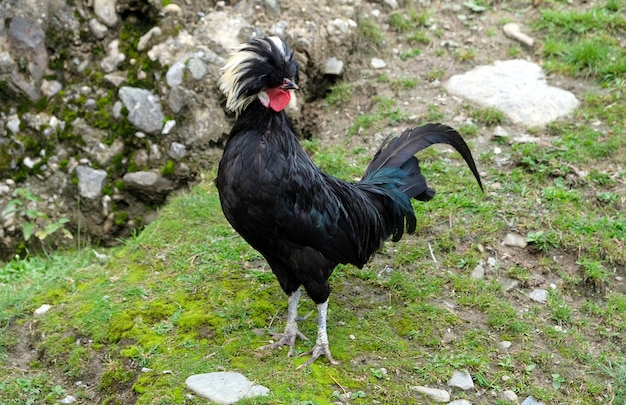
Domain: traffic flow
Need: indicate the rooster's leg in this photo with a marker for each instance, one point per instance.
(288, 338)
(321, 344)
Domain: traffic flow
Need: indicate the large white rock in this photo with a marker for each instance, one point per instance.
(224, 387)
(516, 87)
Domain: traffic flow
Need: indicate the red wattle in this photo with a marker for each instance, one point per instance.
(279, 98)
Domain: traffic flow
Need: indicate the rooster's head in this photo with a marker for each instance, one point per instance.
(263, 68)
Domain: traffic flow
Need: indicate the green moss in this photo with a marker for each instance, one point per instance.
(119, 325)
(169, 169)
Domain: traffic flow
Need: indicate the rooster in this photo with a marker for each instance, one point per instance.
(303, 221)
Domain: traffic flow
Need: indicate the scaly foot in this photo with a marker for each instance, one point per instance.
(318, 350)
(288, 338)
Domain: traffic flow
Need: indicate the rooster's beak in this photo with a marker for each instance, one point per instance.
(289, 85)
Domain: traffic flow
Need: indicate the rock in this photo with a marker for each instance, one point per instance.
(478, 272)
(114, 57)
(172, 9)
(13, 123)
(197, 68)
(538, 295)
(149, 186)
(50, 87)
(333, 66)
(145, 39)
(169, 125)
(67, 400)
(377, 63)
(224, 387)
(27, 39)
(509, 396)
(435, 394)
(461, 379)
(177, 151)
(513, 31)
(98, 29)
(460, 402)
(531, 401)
(105, 11)
(116, 78)
(500, 132)
(525, 138)
(514, 239)
(516, 87)
(144, 109)
(504, 345)
(90, 181)
(42, 309)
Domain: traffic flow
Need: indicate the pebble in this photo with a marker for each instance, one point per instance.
(90, 181)
(68, 400)
(461, 379)
(42, 309)
(504, 345)
(500, 132)
(515, 240)
(114, 57)
(538, 295)
(513, 31)
(145, 39)
(105, 11)
(460, 402)
(509, 396)
(435, 394)
(98, 29)
(144, 109)
(531, 401)
(224, 387)
(478, 272)
(333, 66)
(377, 63)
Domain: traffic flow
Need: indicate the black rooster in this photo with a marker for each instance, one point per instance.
(302, 220)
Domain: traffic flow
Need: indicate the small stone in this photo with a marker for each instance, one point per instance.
(172, 9)
(177, 151)
(509, 396)
(67, 400)
(224, 387)
(513, 31)
(377, 63)
(145, 39)
(531, 401)
(13, 123)
(435, 394)
(98, 29)
(105, 11)
(197, 68)
(169, 125)
(525, 138)
(478, 272)
(460, 402)
(500, 132)
(333, 66)
(90, 181)
(461, 379)
(42, 309)
(50, 87)
(504, 346)
(515, 240)
(538, 295)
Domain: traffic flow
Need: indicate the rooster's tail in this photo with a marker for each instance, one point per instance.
(395, 172)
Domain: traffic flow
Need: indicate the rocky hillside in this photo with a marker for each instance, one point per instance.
(108, 106)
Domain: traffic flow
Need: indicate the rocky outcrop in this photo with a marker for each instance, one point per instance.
(108, 106)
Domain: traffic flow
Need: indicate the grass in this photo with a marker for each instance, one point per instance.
(187, 295)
